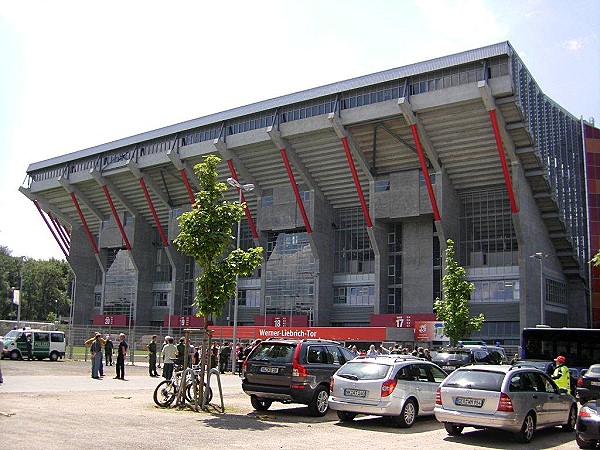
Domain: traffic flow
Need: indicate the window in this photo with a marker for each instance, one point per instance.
(57, 337)
(160, 299)
(354, 295)
(267, 197)
(352, 246)
(382, 185)
(162, 267)
(97, 300)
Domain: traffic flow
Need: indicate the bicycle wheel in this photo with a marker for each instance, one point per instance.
(165, 393)
(189, 393)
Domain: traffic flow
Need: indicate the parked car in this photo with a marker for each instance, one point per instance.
(399, 386)
(587, 428)
(451, 358)
(293, 371)
(544, 366)
(588, 385)
(518, 399)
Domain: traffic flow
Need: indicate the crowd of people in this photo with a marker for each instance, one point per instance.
(397, 349)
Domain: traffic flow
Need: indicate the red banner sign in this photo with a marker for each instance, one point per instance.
(428, 331)
(110, 320)
(183, 321)
(399, 320)
(365, 334)
(281, 321)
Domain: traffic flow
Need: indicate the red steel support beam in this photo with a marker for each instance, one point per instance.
(434, 206)
(60, 231)
(188, 187)
(116, 216)
(361, 197)
(511, 195)
(164, 239)
(247, 211)
(37, 205)
(84, 223)
(295, 188)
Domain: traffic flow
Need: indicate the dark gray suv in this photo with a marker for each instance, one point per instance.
(293, 371)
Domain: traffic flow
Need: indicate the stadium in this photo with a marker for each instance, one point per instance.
(352, 189)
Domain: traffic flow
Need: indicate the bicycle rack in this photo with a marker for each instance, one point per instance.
(215, 371)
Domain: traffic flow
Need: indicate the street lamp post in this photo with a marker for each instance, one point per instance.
(241, 189)
(539, 256)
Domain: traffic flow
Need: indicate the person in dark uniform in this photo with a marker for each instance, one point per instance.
(121, 354)
(224, 357)
(108, 350)
(152, 357)
(29, 348)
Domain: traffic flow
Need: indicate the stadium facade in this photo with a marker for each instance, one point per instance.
(358, 185)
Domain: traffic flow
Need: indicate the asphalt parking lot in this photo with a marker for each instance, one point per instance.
(45, 405)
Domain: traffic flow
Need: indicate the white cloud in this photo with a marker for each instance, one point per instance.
(573, 44)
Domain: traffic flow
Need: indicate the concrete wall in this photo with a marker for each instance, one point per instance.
(83, 262)
(417, 265)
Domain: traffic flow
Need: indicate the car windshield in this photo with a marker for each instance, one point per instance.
(448, 356)
(281, 353)
(363, 371)
(594, 369)
(475, 379)
(12, 334)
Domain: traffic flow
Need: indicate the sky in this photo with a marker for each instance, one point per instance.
(76, 74)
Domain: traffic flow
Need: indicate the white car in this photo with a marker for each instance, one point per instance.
(402, 387)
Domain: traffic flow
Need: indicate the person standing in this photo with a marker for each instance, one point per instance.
(224, 357)
(1, 350)
(561, 374)
(121, 354)
(108, 350)
(29, 348)
(152, 357)
(169, 354)
(95, 344)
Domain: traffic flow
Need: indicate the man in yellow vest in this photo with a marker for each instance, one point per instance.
(561, 375)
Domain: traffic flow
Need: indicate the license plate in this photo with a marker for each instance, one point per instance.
(448, 368)
(467, 401)
(355, 392)
(595, 383)
(269, 370)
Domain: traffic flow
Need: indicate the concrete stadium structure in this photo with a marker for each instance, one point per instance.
(358, 185)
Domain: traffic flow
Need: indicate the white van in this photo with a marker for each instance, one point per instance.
(45, 344)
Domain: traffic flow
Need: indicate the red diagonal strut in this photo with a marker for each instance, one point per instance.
(84, 223)
(116, 216)
(434, 207)
(246, 210)
(59, 230)
(164, 239)
(188, 187)
(511, 195)
(359, 191)
(37, 205)
(299, 201)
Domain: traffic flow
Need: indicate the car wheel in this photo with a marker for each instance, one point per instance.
(260, 404)
(346, 416)
(320, 402)
(570, 425)
(14, 355)
(526, 434)
(54, 356)
(453, 430)
(408, 415)
(585, 444)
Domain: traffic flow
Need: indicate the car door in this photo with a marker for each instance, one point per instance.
(430, 380)
(527, 394)
(557, 404)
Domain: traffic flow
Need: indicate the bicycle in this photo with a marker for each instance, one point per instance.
(167, 391)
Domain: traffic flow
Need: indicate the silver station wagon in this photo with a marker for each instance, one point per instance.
(401, 387)
(514, 398)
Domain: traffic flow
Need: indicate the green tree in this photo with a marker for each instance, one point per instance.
(453, 307)
(45, 287)
(206, 234)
